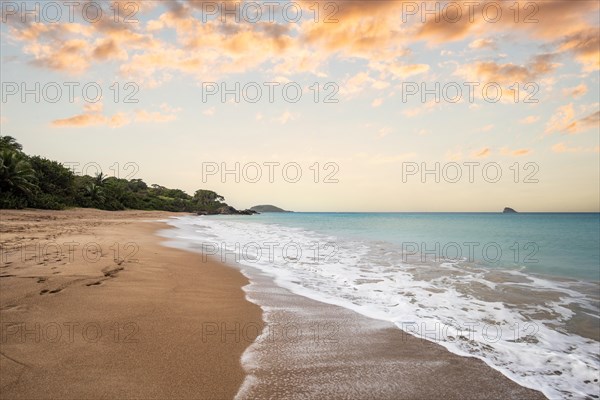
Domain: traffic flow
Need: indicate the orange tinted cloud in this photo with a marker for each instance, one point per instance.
(530, 119)
(70, 56)
(576, 91)
(145, 116)
(538, 19)
(483, 153)
(521, 152)
(107, 49)
(509, 73)
(563, 148)
(482, 44)
(80, 120)
(515, 153)
(565, 121)
(585, 45)
(93, 116)
(371, 30)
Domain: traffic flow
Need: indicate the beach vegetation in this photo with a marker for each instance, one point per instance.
(36, 182)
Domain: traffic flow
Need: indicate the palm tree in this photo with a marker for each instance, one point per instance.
(99, 179)
(95, 192)
(9, 143)
(16, 175)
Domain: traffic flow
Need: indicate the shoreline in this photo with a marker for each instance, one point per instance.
(127, 318)
(333, 351)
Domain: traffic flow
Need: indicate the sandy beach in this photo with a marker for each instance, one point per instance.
(86, 324)
(81, 319)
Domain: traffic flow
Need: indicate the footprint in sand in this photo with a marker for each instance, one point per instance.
(14, 307)
(111, 272)
(44, 291)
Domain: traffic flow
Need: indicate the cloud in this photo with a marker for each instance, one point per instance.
(423, 109)
(455, 154)
(521, 152)
(83, 120)
(507, 74)
(576, 91)
(360, 82)
(538, 20)
(70, 56)
(563, 148)
(515, 153)
(286, 117)
(529, 119)
(398, 70)
(156, 116)
(70, 47)
(362, 28)
(383, 132)
(483, 44)
(377, 102)
(93, 116)
(108, 49)
(483, 153)
(565, 121)
(209, 111)
(585, 45)
(589, 121)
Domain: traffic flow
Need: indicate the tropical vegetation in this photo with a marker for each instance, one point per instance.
(36, 182)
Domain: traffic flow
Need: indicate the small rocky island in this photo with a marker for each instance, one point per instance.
(508, 210)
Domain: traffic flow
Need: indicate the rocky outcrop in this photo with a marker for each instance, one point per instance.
(227, 210)
(508, 210)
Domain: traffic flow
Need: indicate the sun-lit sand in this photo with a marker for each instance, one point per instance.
(124, 328)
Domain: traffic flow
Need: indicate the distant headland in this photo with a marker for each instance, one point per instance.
(508, 210)
(225, 209)
(267, 208)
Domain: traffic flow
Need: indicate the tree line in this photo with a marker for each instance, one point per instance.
(36, 182)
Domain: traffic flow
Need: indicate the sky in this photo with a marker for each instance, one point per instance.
(316, 106)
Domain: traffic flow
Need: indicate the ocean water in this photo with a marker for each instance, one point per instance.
(519, 291)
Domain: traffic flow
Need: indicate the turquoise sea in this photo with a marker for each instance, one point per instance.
(562, 244)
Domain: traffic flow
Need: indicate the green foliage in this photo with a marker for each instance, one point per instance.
(41, 183)
(9, 143)
(16, 175)
(207, 200)
(55, 184)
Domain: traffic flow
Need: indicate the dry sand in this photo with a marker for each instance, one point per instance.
(149, 303)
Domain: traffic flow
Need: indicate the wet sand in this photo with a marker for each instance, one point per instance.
(319, 350)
